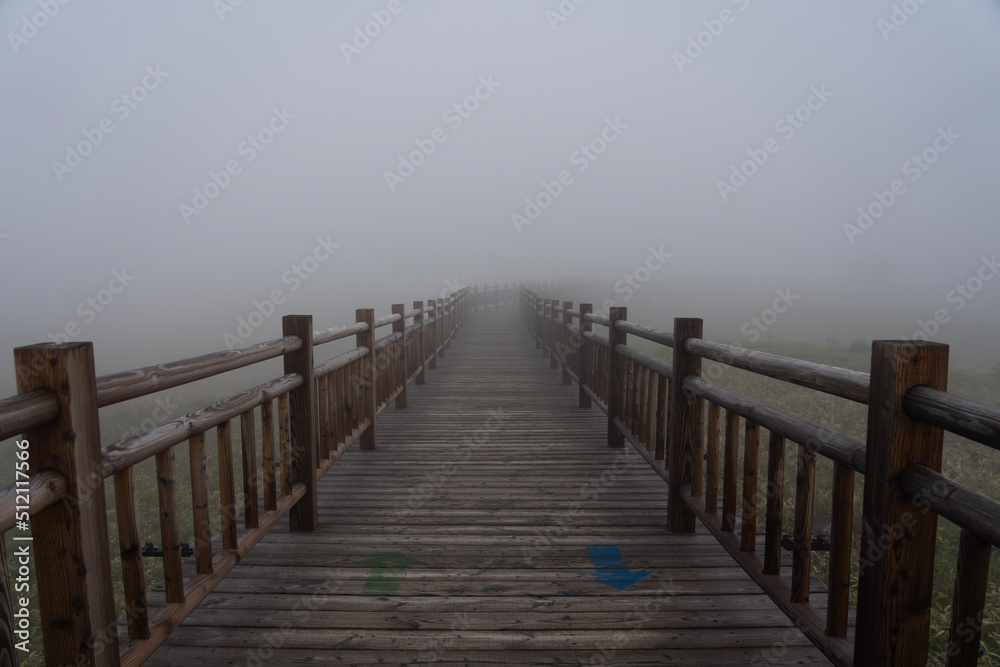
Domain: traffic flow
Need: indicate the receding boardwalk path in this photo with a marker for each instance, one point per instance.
(464, 539)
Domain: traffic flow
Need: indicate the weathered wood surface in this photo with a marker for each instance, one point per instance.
(463, 539)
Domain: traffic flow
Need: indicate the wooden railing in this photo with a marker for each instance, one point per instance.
(322, 409)
(658, 407)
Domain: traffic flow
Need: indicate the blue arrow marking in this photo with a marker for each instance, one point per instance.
(611, 568)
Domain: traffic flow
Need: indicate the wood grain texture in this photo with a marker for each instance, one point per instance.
(494, 482)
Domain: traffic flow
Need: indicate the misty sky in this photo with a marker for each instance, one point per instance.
(634, 123)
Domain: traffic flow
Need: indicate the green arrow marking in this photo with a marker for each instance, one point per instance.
(386, 573)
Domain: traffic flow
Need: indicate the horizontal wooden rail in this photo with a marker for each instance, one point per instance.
(646, 360)
(961, 416)
(835, 446)
(337, 333)
(137, 448)
(44, 489)
(956, 502)
(340, 361)
(841, 382)
(26, 411)
(119, 387)
(648, 333)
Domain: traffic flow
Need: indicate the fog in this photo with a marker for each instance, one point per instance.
(191, 158)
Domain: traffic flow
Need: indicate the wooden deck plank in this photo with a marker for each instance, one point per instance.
(473, 517)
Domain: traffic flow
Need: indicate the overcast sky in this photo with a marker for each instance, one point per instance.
(187, 156)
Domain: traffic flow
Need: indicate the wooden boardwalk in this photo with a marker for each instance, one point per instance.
(464, 539)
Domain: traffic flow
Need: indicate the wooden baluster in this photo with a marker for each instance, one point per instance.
(199, 504)
(443, 330)
(323, 415)
(227, 485)
(697, 483)
(802, 553)
(712, 460)
(170, 534)
(969, 601)
(729, 463)
(129, 537)
(662, 417)
(775, 503)
(285, 444)
(420, 343)
(839, 585)
(248, 440)
(583, 357)
(751, 449)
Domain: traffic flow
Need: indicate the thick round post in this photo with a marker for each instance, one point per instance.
(616, 378)
(304, 514)
(399, 354)
(582, 360)
(683, 426)
(70, 547)
(366, 382)
(897, 539)
(419, 321)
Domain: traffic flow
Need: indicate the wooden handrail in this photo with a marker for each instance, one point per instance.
(310, 395)
(622, 389)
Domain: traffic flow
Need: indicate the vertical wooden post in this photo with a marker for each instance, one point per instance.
(683, 425)
(302, 415)
(616, 377)
(537, 304)
(897, 539)
(451, 318)
(566, 340)
(432, 333)
(582, 362)
(443, 329)
(366, 383)
(419, 321)
(546, 313)
(399, 358)
(70, 547)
